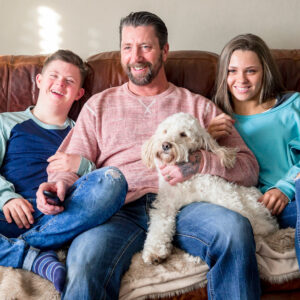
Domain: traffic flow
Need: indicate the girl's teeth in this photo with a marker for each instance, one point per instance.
(242, 89)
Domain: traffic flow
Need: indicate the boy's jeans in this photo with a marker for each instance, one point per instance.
(98, 258)
(91, 201)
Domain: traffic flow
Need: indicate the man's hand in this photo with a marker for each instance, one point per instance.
(20, 211)
(63, 162)
(274, 200)
(181, 171)
(55, 187)
(220, 126)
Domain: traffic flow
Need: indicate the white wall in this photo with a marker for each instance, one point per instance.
(91, 26)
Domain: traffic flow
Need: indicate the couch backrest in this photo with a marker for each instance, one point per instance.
(289, 65)
(194, 70)
(18, 88)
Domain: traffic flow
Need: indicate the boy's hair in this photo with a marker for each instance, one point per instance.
(271, 82)
(144, 18)
(68, 57)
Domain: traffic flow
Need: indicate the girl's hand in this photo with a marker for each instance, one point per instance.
(63, 162)
(20, 211)
(220, 126)
(274, 200)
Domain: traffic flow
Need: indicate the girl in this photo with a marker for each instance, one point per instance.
(250, 91)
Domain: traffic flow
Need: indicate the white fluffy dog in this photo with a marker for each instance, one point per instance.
(175, 138)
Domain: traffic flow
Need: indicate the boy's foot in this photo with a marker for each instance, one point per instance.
(48, 266)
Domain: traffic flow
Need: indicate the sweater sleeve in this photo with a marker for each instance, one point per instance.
(246, 169)
(82, 139)
(286, 184)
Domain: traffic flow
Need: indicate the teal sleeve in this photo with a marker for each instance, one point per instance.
(7, 190)
(287, 183)
(85, 166)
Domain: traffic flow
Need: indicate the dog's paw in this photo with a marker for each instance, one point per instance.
(153, 259)
(156, 257)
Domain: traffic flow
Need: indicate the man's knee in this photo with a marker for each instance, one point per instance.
(110, 176)
(208, 226)
(236, 231)
(104, 188)
(111, 182)
(86, 253)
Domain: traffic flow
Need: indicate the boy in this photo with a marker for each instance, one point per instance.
(28, 138)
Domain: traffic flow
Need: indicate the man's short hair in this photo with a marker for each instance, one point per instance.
(68, 57)
(144, 18)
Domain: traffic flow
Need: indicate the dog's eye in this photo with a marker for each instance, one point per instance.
(183, 134)
(165, 131)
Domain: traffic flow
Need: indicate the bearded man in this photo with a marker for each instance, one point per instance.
(110, 130)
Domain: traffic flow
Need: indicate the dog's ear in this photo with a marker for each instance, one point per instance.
(226, 155)
(148, 153)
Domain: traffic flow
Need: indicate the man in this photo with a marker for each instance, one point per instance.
(221, 237)
(29, 231)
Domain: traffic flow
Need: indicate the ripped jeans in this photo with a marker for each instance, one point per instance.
(90, 201)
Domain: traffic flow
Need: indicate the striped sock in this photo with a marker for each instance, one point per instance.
(48, 266)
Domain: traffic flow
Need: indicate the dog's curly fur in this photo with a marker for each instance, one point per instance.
(175, 138)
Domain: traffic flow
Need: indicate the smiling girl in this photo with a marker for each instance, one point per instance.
(250, 91)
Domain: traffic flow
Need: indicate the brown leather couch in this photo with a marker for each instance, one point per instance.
(194, 70)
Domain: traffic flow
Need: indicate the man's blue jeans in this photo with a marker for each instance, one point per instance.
(99, 257)
(91, 201)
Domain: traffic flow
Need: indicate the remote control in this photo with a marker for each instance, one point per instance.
(52, 198)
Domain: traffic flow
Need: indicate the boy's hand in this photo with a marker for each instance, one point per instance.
(274, 200)
(63, 162)
(20, 211)
(55, 187)
(181, 171)
(220, 126)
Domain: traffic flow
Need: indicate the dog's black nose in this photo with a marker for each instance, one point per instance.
(166, 146)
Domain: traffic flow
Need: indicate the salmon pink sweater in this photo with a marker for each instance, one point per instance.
(113, 125)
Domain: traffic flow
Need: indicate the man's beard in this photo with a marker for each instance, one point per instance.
(149, 76)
